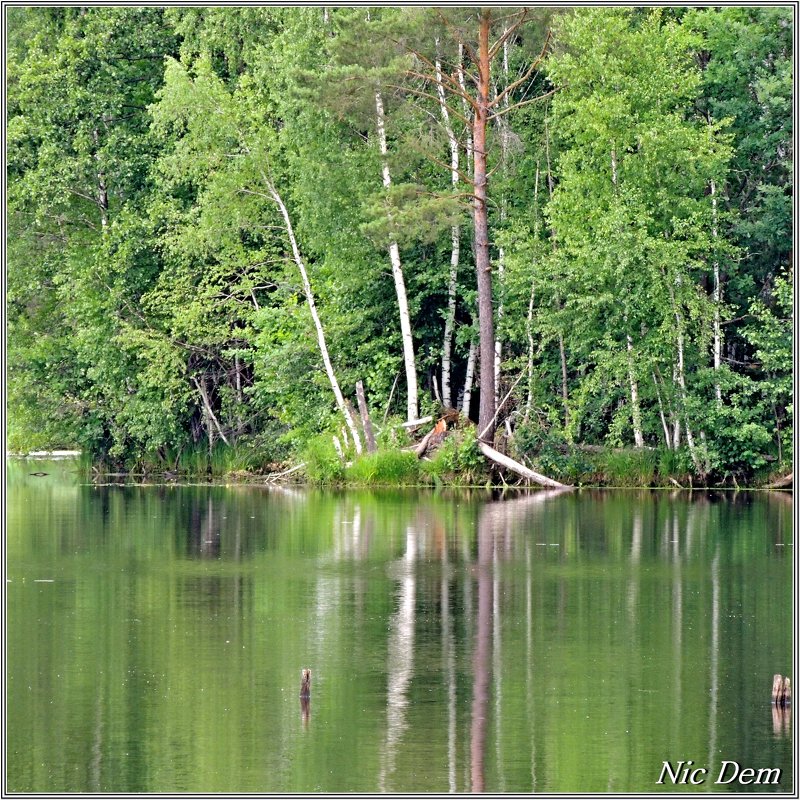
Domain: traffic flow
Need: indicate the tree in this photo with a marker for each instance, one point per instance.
(484, 108)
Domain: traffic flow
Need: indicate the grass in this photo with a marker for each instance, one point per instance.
(388, 467)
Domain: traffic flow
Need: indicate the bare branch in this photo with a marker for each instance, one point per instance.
(420, 93)
(454, 88)
(470, 52)
(509, 32)
(511, 86)
(425, 60)
(505, 110)
(439, 163)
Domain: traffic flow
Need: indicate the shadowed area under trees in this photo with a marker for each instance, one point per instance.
(572, 225)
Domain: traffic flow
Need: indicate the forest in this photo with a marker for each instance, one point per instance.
(572, 226)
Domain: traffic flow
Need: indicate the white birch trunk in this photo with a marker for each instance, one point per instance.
(529, 333)
(102, 188)
(717, 336)
(676, 420)
(469, 378)
(636, 414)
(323, 347)
(681, 376)
(397, 273)
(467, 110)
(667, 438)
(455, 249)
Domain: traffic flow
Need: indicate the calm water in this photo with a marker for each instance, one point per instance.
(546, 643)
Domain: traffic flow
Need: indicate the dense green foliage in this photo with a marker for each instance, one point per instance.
(640, 225)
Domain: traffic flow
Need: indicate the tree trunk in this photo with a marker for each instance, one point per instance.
(455, 249)
(681, 376)
(470, 376)
(664, 425)
(529, 333)
(397, 273)
(210, 416)
(561, 349)
(483, 265)
(636, 413)
(520, 469)
(717, 338)
(102, 188)
(365, 420)
(312, 306)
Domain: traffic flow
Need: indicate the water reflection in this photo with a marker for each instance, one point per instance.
(400, 660)
(547, 642)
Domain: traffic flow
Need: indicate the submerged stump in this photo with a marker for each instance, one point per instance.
(781, 691)
(305, 683)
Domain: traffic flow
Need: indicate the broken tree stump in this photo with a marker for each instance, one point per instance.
(305, 683)
(365, 420)
(781, 691)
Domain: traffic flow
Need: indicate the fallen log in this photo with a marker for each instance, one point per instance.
(273, 476)
(415, 423)
(520, 469)
(782, 483)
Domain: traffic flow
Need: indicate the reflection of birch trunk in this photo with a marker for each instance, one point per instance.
(449, 670)
(481, 663)
(397, 272)
(636, 550)
(497, 644)
(677, 617)
(714, 691)
(529, 658)
(401, 659)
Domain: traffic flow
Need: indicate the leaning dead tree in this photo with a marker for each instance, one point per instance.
(312, 307)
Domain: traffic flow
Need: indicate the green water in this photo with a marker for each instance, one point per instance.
(545, 643)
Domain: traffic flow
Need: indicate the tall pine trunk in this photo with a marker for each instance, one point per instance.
(483, 264)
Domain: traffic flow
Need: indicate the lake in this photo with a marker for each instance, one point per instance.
(528, 643)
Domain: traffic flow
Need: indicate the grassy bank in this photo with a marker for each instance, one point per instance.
(456, 461)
